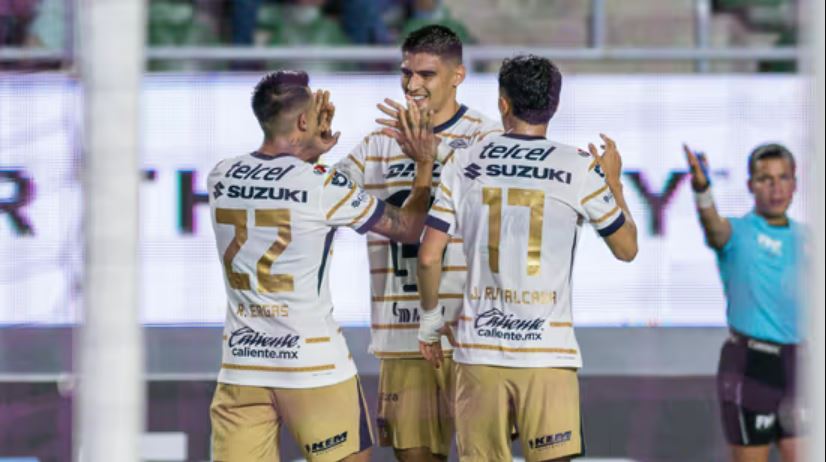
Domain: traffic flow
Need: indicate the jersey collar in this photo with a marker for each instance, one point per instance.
(519, 136)
(261, 156)
(452, 120)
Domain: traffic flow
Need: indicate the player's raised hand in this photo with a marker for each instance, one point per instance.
(324, 139)
(610, 161)
(698, 166)
(393, 110)
(412, 130)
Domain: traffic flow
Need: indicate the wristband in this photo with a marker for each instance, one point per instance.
(704, 199)
(430, 321)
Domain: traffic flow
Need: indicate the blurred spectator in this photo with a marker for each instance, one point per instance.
(15, 17)
(48, 30)
(173, 22)
(362, 22)
(425, 12)
(302, 22)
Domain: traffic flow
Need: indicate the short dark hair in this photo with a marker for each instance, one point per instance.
(769, 151)
(278, 93)
(435, 40)
(532, 85)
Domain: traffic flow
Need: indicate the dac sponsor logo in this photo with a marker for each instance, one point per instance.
(407, 170)
(326, 445)
(407, 315)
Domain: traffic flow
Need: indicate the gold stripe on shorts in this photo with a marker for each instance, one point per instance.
(482, 346)
(242, 367)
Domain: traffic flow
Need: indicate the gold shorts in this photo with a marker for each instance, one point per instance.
(416, 404)
(328, 423)
(541, 403)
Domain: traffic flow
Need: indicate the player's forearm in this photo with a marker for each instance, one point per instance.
(414, 210)
(429, 274)
(616, 189)
(716, 228)
(623, 243)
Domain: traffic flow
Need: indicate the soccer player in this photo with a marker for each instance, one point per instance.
(518, 201)
(414, 412)
(274, 214)
(759, 257)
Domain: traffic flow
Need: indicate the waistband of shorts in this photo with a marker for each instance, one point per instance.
(759, 344)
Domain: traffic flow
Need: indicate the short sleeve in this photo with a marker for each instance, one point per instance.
(736, 230)
(352, 165)
(345, 204)
(598, 203)
(442, 215)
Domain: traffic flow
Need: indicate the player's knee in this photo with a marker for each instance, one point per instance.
(420, 454)
(362, 456)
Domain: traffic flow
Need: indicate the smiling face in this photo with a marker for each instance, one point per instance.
(430, 82)
(773, 184)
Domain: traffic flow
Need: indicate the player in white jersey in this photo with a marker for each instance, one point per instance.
(518, 201)
(414, 412)
(274, 214)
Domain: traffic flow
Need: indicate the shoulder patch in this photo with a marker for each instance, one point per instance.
(320, 169)
(340, 179)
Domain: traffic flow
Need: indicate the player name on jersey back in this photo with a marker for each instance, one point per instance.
(518, 202)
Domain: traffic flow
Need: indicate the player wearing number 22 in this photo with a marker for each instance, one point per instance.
(518, 201)
(274, 214)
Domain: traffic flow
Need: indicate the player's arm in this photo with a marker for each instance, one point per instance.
(429, 277)
(405, 224)
(418, 142)
(716, 228)
(622, 241)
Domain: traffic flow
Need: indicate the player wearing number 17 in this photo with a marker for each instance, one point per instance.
(274, 214)
(518, 201)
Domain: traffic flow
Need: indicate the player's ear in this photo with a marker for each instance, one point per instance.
(459, 75)
(504, 106)
(301, 121)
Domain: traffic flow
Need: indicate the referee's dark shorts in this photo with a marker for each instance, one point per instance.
(756, 388)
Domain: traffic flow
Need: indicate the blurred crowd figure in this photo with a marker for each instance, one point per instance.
(46, 24)
(43, 24)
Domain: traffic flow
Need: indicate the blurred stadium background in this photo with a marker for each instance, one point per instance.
(721, 75)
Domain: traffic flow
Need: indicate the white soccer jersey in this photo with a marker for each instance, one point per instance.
(518, 203)
(379, 166)
(274, 220)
